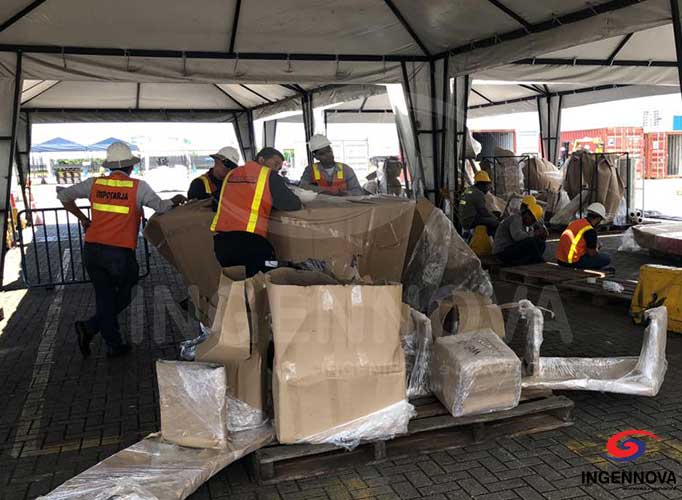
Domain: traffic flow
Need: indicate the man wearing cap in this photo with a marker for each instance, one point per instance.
(326, 175)
(519, 240)
(241, 222)
(209, 184)
(110, 240)
(578, 246)
(472, 207)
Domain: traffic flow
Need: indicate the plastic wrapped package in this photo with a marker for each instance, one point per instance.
(154, 469)
(416, 340)
(535, 324)
(566, 215)
(384, 424)
(628, 242)
(441, 258)
(242, 416)
(188, 348)
(641, 376)
(474, 373)
(192, 400)
(305, 195)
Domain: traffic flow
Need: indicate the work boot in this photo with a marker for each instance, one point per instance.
(118, 351)
(84, 337)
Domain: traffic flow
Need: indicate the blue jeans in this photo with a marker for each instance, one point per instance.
(596, 262)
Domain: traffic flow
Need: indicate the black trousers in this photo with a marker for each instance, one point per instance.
(524, 252)
(240, 248)
(113, 272)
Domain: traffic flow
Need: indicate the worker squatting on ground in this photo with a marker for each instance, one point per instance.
(578, 246)
(110, 241)
(520, 238)
(242, 218)
(208, 185)
(328, 176)
(472, 207)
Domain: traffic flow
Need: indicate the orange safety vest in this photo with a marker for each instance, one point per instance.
(338, 184)
(572, 245)
(245, 201)
(208, 184)
(114, 213)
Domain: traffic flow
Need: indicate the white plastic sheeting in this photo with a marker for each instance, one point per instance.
(638, 375)
(7, 106)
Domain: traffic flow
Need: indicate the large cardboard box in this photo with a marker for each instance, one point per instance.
(370, 233)
(474, 373)
(337, 352)
(192, 402)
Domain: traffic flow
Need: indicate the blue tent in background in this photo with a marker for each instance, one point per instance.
(57, 145)
(104, 144)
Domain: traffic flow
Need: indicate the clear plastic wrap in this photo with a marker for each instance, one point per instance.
(474, 373)
(188, 348)
(416, 339)
(564, 216)
(628, 242)
(243, 417)
(192, 401)
(381, 425)
(154, 469)
(641, 376)
(442, 258)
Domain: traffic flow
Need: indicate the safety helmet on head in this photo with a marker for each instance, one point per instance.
(318, 141)
(597, 209)
(227, 153)
(529, 200)
(119, 156)
(482, 176)
(536, 210)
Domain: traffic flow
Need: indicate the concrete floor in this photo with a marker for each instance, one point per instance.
(62, 414)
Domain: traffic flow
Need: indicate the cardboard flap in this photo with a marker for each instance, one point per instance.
(296, 277)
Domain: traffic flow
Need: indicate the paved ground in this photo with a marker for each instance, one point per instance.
(61, 414)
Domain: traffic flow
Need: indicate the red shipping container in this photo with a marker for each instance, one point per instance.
(657, 150)
(610, 140)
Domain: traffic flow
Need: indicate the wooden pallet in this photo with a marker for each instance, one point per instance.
(596, 292)
(491, 264)
(545, 273)
(433, 429)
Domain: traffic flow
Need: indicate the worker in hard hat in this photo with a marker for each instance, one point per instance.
(111, 235)
(578, 245)
(208, 185)
(326, 175)
(473, 210)
(519, 240)
(249, 193)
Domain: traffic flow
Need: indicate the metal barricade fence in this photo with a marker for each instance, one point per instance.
(43, 244)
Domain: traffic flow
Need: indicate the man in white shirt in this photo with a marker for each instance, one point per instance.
(110, 241)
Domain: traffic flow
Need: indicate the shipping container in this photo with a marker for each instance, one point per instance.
(663, 152)
(606, 140)
(490, 139)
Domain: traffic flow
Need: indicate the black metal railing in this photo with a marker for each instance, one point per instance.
(43, 244)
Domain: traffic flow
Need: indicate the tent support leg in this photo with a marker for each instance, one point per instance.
(677, 30)
(10, 160)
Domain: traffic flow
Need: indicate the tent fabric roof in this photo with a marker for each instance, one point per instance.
(58, 145)
(225, 56)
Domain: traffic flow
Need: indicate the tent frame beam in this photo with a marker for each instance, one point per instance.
(21, 14)
(235, 25)
(550, 94)
(406, 25)
(677, 31)
(620, 46)
(511, 14)
(539, 61)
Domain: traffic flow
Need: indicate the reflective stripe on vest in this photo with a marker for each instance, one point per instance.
(207, 186)
(338, 183)
(114, 209)
(114, 183)
(257, 199)
(576, 240)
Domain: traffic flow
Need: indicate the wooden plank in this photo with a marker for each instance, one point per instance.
(433, 429)
(596, 291)
(547, 272)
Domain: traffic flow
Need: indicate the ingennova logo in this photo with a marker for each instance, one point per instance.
(622, 448)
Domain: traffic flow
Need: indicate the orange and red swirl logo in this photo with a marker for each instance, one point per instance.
(630, 448)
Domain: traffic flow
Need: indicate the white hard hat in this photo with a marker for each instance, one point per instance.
(598, 209)
(318, 141)
(227, 153)
(119, 156)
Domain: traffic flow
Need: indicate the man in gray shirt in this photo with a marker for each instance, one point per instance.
(328, 176)
(473, 210)
(520, 240)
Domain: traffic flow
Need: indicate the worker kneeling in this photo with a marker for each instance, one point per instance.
(473, 210)
(247, 196)
(578, 245)
(520, 239)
